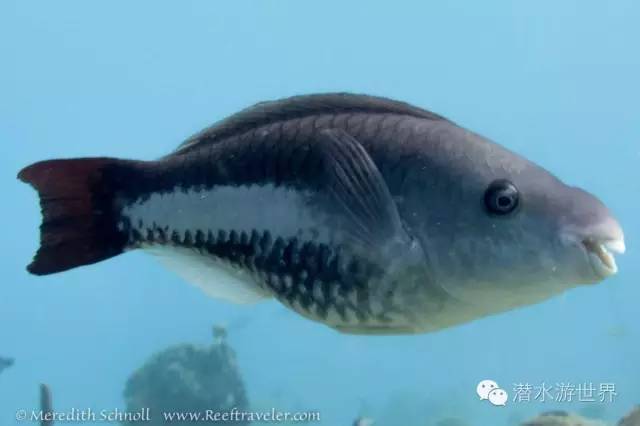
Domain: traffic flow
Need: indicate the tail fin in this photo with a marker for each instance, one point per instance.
(79, 225)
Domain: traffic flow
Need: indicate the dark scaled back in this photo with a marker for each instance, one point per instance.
(265, 113)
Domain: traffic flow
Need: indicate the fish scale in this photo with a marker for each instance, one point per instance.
(279, 156)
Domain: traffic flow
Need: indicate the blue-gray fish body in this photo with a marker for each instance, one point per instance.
(366, 214)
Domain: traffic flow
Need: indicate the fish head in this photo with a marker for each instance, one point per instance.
(500, 231)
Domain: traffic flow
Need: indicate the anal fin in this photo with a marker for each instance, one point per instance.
(218, 279)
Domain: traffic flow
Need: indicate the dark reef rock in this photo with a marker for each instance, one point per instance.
(561, 418)
(556, 413)
(219, 334)
(188, 379)
(631, 419)
(363, 421)
(5, 363)
(46, 405)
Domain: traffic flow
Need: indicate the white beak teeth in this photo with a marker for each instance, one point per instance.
(607, 258)
(601, 259)
(616, 246)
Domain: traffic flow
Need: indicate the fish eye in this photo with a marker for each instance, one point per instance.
(501, 197)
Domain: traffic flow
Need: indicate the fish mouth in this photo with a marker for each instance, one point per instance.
(600, 254)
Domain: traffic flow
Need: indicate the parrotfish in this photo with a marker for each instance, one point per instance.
(367, 214)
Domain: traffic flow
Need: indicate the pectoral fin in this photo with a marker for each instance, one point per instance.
(358, 188)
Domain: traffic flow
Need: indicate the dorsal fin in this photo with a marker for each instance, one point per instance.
(300, 106)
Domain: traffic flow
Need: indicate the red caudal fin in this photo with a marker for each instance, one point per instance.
(79, 225)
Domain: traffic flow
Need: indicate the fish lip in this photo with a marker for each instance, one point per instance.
(601, 255)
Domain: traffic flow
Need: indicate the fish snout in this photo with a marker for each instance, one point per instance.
(599, 243)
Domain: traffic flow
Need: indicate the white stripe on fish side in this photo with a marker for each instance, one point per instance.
(281, 211)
